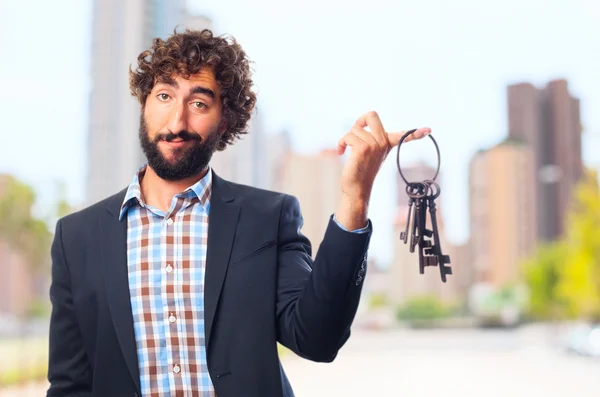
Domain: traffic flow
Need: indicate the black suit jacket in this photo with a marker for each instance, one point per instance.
(261, 287)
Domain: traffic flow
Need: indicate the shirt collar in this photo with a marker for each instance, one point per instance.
(201, 189)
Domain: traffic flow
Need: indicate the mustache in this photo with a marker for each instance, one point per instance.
(184, 135)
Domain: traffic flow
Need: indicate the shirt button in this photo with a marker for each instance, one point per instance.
(169, 221)
(172, 318)
(176, 369)
(169, 268)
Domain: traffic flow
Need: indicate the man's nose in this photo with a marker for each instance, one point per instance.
(177, 118)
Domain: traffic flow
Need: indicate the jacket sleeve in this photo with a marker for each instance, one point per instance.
(317, 301)
(69, 370)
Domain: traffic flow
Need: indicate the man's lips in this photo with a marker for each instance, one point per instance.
(176, 142)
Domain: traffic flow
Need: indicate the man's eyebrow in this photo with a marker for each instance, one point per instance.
(202, 90)
(194, 90)
(170, 82)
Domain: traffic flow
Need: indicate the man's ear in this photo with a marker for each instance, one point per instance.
(223, 127)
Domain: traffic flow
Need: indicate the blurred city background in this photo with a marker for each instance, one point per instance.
(510, 89)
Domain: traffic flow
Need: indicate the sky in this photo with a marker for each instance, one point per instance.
(318, 67)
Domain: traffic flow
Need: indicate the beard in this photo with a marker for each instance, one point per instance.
(188, 161)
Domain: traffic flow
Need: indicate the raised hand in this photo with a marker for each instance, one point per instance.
(369, 150)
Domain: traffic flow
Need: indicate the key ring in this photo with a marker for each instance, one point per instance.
(420, 190)
(430, 183)
(437, 149)
(422, 197)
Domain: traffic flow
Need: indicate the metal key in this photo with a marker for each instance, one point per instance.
(436, 249)
(424, 243)
(422, 218)
(418, 198)
(411, 190)
(404, 234)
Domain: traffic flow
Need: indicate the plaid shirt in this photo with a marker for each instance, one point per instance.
(166, 255)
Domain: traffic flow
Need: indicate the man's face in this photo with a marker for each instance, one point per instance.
(181, 125)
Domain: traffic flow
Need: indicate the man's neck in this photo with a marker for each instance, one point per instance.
(159, 193)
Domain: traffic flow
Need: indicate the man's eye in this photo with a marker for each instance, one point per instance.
(199, 105)
(163, 97)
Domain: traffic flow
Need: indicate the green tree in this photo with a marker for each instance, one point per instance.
(378, 300)
(542, 276)
(423, 308)
(563, 277)
(63, 207)
(22, 231)
(579, 278)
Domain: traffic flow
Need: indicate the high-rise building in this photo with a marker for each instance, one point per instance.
(502, 211)
(241, 162)
(463, 273)
(277, 148)
(255, 159)
(315, 181)
(17, 284)
(120, 32)
(548, 120)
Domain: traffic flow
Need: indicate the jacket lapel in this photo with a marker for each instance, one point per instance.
(114, 259)
(222, 224)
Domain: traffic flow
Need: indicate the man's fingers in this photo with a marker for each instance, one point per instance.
(364, 136)
(372, 120)
(350, 139)
(394, 137)
(377, 135)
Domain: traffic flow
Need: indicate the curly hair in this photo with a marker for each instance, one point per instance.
(187, 53)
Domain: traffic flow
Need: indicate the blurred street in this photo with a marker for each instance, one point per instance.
(440, 363)
(445, 363)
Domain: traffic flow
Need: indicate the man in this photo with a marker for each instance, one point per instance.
(183, 283)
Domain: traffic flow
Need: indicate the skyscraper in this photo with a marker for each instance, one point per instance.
(548, 120)
(315, 181)
(502, 211)
(120, 32)
(256, 159)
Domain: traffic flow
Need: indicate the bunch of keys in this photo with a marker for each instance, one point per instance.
(421, 200)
